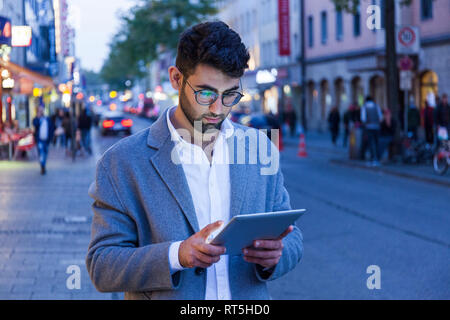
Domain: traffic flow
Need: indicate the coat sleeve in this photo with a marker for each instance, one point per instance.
(114, 261)
(292, 243)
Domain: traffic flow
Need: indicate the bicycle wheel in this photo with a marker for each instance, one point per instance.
(440, 164)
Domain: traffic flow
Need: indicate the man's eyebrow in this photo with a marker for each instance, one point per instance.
(205, 86)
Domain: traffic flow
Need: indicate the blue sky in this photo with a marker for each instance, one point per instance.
(97, 22)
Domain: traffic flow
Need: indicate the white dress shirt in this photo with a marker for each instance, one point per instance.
(43, 129)
(209, 184)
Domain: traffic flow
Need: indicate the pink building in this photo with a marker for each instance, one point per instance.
(344, 57)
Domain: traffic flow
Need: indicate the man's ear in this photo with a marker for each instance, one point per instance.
(175, 77)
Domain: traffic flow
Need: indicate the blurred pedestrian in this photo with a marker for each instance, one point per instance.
(334, 119)
(67, 125)
(60, 135)
(4, 142)
(413, 119)
(43, 135)
(349, 121)
(371, 117)
(442, 115)
(84, 125)
(387, 131)
(291, 118)
(428, 121)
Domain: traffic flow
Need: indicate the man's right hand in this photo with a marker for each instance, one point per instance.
(196, 252)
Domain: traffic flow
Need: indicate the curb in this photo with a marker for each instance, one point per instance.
(391, 172)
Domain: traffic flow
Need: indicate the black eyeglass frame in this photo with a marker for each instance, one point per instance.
(236, 101)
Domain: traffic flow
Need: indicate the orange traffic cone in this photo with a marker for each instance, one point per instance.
(302, 147)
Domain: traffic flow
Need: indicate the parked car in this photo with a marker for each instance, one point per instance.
(115, 122)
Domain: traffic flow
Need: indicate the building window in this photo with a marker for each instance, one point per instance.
(310, 31)
(339, 26)
(357, 22)
(323, 23)
(426, 9)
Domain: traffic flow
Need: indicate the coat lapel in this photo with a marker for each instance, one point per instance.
(238, 174)
(172, 174)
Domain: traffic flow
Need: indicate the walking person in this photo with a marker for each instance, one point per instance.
(371, 117)
(413, 120)
(84, 125)
(67, 125)
(349, 122)
(43, 135)
(59, 139)
(387, 132)
(334, 120)
(155, 206)
(428, 118)
(442, 117)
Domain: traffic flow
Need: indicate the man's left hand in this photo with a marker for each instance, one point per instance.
(266, 253)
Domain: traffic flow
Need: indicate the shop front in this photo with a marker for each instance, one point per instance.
(21, 92)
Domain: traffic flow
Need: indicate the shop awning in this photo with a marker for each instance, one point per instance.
(21, 72)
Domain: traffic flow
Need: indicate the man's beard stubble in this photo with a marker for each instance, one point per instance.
(187, 109)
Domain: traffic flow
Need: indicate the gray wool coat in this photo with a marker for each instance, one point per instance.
(142, 204)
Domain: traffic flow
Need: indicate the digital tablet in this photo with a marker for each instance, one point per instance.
(243, 229)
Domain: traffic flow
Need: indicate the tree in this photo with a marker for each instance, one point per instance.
(92, 78)
(148, 28)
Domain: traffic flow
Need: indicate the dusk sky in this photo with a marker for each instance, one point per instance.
(96, 21)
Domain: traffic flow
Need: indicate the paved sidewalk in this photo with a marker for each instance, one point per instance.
(45, 228)
(320, 143)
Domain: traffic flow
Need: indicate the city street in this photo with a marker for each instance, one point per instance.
(355, 218)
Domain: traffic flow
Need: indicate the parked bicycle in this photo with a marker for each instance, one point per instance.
(414, 151)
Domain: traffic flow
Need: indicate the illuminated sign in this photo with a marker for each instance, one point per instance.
(8, 83)
(266, 76)
(283, 28)
(21, 36)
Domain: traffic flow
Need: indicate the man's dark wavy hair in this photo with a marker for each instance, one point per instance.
(213, 44)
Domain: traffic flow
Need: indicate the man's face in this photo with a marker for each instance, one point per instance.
(206, 77)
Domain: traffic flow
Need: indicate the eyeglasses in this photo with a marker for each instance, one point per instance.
(207, 97)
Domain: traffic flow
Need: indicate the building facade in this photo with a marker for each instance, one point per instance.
(344, 57)
(272, 82)
(33, 70)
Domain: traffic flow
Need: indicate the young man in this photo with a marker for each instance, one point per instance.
(43, 135)
(371, 117)
(162, 192)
